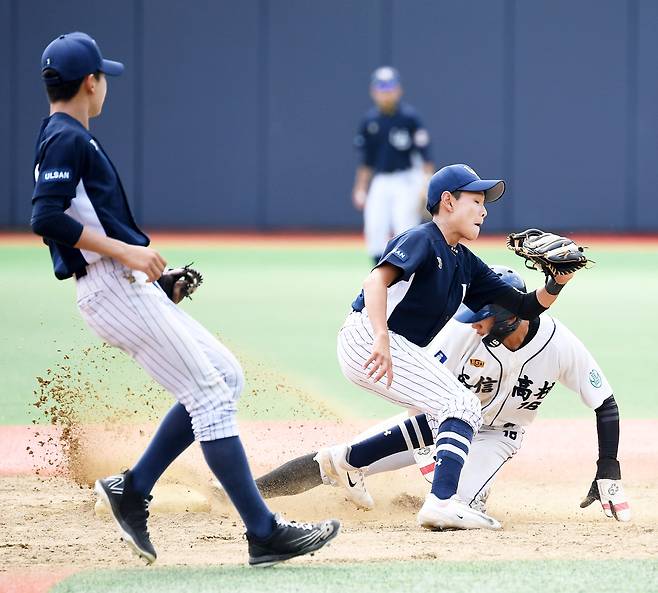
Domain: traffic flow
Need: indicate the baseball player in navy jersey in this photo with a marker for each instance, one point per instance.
(511, 365)
(386, 186)
(417, 286)
(80, 208)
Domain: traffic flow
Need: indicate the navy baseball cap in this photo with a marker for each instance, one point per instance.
(385, 79)
(463, 178)
(73, 56)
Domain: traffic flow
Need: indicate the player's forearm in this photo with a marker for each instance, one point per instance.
(362, 178)
(91, 240)
(375, 293)
(607, 428)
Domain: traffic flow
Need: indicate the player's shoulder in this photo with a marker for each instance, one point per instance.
(64, 132)
(562, 332)
(372, 114)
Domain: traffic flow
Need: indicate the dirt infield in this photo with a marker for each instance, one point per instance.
(51, 530)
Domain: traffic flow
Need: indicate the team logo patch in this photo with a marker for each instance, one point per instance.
(399, 254)
(57, 175)
(476, 363)
(440, 262)
(373, 127)
(399, 138)
(441, 356)
(595, 378)
(421, 138)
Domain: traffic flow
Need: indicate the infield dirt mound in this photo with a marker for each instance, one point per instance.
(49, 521)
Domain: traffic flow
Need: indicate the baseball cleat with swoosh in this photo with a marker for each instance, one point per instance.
(453, 513)
(333, 463)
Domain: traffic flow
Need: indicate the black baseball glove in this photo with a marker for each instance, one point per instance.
(178, 283)
(552, 254)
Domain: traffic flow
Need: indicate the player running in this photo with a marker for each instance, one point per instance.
(511, 365)
(80, 208)
(422, 278)
(386, 185)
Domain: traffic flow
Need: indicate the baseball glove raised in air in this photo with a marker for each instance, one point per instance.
(552, 254)
(179, 283)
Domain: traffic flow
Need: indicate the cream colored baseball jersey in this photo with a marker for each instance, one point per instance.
(512, 385)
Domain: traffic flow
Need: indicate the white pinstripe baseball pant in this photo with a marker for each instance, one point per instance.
(418, 381)
(128, 312)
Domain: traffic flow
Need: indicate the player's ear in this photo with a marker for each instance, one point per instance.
(447, 200)
(89, 83)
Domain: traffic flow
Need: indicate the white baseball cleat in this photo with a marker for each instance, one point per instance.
(453, 513)
(333, 464)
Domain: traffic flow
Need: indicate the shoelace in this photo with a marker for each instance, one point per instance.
(285, 523)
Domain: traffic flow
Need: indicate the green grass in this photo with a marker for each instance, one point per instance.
(279, 308)
(610, 576)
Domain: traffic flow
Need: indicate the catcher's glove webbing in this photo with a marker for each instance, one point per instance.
(179, 283)
(552, 254)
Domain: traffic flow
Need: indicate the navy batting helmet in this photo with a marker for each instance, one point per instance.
(505, 322)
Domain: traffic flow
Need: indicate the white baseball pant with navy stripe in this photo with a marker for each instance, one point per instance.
(418, 381)
(128, 312)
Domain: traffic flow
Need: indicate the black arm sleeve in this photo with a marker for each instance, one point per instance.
(49, 220)
(607, 428)
(524, 305)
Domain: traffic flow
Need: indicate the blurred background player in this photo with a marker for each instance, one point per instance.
(485, 351)
(388, 188)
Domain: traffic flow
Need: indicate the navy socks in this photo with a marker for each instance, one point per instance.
(227, 460)
(225, 457)
(406, 436)
(452, 449)
(173, 436)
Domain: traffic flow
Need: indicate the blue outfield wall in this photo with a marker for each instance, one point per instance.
(240, 115)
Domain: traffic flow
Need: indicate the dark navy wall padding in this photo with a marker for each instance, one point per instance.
(111, 26)
(7, 199)
(570, 151)
(456, 82)
(646, 118)
(240, 115)
(201, 135)
(320, 59)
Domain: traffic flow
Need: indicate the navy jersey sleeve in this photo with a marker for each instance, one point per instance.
(486, 287)
(60, 166)
(363, 146)
(421, 138)
(407, 252)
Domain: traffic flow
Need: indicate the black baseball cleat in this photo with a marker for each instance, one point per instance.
(130, 512)
(290, 539)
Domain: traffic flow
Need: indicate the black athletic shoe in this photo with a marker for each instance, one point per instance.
(290, 539)
(130, 512)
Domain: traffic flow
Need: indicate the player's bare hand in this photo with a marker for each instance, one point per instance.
(564, 278)
(380, 363)
(359, 198)
(143, 259)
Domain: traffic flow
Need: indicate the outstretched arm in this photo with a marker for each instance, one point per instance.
(606, 486)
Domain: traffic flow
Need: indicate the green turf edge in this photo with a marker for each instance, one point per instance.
(547, 576)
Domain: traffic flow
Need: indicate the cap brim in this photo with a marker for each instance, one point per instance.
(493, 188)
(112, 68)
(465, 315)
(385, 86)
